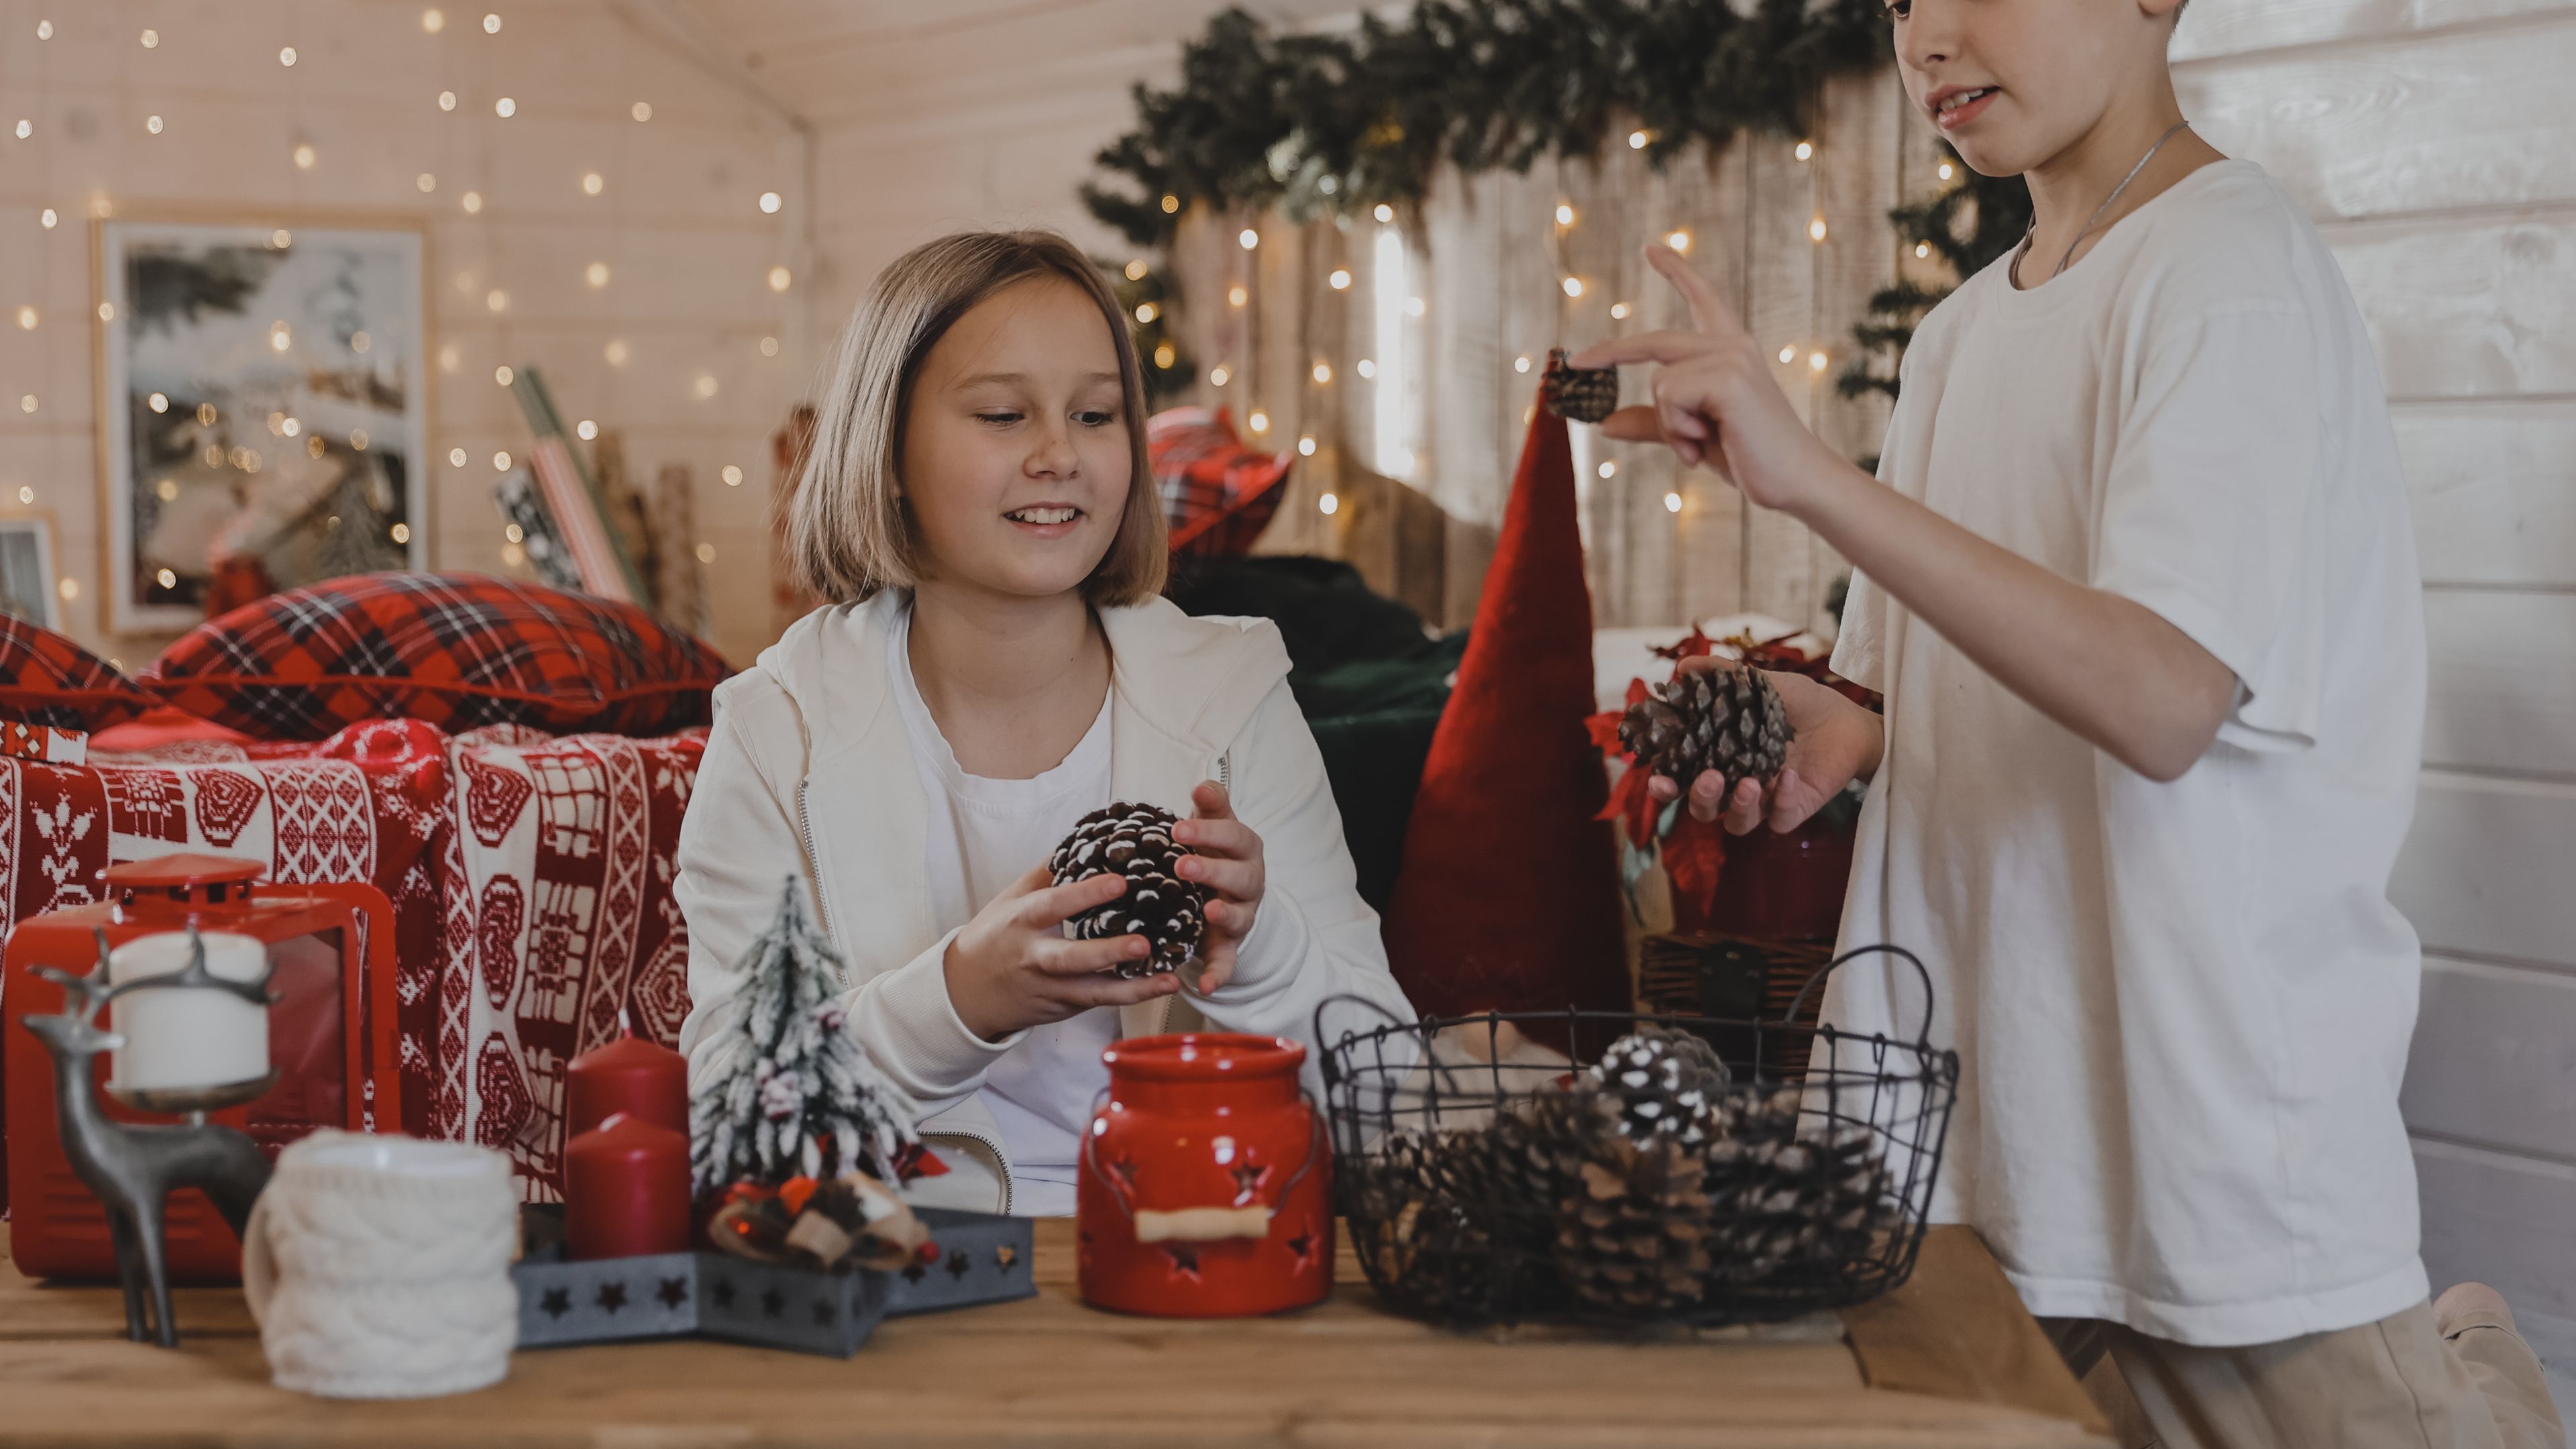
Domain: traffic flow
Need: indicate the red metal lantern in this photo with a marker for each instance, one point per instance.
(1206, 1187)
(331, 1039)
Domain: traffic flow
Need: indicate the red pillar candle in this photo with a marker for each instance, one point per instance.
(626, 1190)
(629, 1075)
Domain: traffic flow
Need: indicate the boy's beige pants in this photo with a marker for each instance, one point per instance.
(2397, 1382)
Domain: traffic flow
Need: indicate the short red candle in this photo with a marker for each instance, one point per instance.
(629, 1075)
(626, 1190)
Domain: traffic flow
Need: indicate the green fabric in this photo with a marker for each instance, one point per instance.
(1370, 682)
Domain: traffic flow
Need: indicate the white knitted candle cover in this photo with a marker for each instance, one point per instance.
(379, 1267)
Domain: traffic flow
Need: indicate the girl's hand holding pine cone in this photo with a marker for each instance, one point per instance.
(1012, 967)
(1226, 859)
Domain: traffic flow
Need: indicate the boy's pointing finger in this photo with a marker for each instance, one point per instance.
(1708, 311)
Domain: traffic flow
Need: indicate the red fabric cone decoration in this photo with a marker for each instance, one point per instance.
(1508, 899)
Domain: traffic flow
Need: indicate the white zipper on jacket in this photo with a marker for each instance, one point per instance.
(1001, 1160)
(822, 917)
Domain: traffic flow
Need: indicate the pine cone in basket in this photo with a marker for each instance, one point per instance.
(1136, 841)
(1633, 1235)
(1583, 394)
(1791, 1201)
(1665, 1080)
(1423, 1243)
(1727, 720)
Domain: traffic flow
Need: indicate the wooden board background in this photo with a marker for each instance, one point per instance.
(2431, 140)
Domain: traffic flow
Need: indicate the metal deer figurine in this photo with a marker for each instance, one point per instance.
(133, 1169)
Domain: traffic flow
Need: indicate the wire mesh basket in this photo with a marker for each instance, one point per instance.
(1487, 1187)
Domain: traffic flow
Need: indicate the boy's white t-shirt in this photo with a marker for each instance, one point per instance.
(985, 834)
(2182, 1010)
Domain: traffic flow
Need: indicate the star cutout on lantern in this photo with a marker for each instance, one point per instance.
(958, 1263)
(612, 1296)
(1185, 1260)
(557, 1302)
(1004, 1256)
(772, 1303)
(915, 1272)
(823, 1314)
(724, 1292)
(1247, 1181)
(673, 1292)
(1304, 1247)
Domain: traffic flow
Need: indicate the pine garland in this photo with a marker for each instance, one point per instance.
(793, 1094)
(1318, 124)
(1324, 125)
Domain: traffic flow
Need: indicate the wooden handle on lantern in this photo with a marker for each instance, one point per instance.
(1201, 1224)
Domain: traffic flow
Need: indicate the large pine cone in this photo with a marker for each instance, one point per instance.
(1666, 1082)
(1136, 841)
(1632, 1236)
(1584, 394)
(1727, 720)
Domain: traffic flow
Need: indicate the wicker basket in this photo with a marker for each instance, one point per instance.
(1733, 978)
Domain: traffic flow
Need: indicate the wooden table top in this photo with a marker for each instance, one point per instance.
(1951, 1359)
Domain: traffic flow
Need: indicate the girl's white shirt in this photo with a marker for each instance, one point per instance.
(809, 772)
(984, 833)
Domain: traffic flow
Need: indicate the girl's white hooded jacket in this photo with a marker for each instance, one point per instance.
(808, 772)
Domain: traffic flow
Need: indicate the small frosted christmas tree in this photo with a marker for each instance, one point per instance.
(792, 1094)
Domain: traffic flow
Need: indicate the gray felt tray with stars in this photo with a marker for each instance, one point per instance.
(983, 1259)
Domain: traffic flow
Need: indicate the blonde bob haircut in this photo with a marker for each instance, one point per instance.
(848, 533)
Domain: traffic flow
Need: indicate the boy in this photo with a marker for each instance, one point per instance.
(2141, 593)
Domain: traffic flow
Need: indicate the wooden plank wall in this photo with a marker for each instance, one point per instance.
(1488, 259)
(2434, 142)
(677, 222)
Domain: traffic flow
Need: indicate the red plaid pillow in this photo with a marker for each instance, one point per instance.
(1217, 494)
(456, 650)
(47, 679)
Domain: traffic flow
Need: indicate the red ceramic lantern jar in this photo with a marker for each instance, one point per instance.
(1206, 1186)
(330, 1037)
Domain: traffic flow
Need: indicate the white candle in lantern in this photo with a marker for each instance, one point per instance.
(186, 1037)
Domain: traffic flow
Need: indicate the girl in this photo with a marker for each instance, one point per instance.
(999, 664)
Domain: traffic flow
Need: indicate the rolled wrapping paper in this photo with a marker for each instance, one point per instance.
(626, 1190)
(378, 1267)
(629, 1075)
(179, 1039)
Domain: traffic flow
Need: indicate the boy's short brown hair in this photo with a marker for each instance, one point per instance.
(848, 535)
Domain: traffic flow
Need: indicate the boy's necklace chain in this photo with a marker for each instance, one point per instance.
(2095, 219)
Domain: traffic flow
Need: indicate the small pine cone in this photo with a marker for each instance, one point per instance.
(1582, 394)
(1136, 841)
(1727, 720)
(1666, 1082)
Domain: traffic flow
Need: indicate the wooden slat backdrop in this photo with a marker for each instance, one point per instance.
(2431, 140)
(1488, 260)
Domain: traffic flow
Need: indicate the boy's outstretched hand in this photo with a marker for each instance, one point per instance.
(1716, 401)
(1227, 860)
(1836, 742)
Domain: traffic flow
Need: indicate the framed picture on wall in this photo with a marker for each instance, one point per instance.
(27, 570)
(263, 409)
